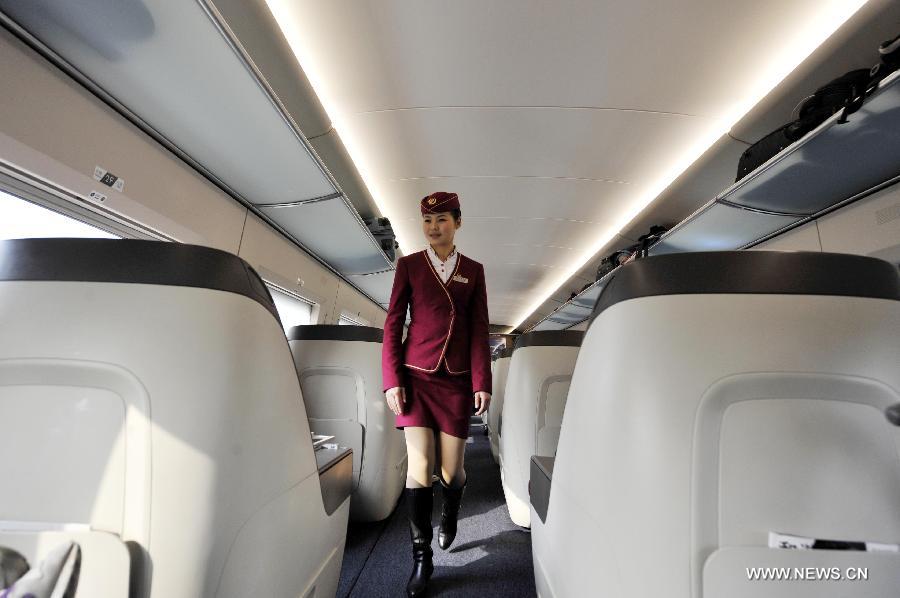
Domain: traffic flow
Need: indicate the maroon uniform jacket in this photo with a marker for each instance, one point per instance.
(449, 322)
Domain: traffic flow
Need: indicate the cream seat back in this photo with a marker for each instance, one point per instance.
(340, 374)
(495, 408)
(152, 412)
(540, 370)
(720, 398)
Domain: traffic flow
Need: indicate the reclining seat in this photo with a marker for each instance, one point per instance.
(495, 407)
(340, 374)
(540, 371)
(151, 412)
(718, 398)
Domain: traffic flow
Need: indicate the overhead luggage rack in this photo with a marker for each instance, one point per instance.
(576, 310)
(833, 165)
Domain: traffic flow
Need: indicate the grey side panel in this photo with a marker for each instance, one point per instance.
(539, 484)
(335, 476)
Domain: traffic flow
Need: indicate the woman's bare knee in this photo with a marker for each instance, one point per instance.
(420, 457)
(453, 451)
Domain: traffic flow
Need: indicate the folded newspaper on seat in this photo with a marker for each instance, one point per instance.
(779, 540)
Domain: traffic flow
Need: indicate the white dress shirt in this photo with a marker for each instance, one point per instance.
(444, 269)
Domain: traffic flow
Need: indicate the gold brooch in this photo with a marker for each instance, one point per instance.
(432, 201)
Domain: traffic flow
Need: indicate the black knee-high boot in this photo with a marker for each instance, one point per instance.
(419, 503)
(449, 513)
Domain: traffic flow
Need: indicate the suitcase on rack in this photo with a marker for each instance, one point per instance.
(890, 60)
(846, 93)
(383, 233)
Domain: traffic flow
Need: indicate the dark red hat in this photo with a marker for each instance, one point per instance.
(440, 201)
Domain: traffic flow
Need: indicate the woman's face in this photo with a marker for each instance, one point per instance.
(440, 228)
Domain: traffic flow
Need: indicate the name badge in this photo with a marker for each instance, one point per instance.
(461, 279)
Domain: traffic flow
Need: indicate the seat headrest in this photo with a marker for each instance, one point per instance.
(335, 332)
(753, 272)
(131, 261)
(550, 338)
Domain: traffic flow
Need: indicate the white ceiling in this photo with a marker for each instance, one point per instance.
(555, 122)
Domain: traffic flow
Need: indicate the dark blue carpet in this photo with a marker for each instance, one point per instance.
(491, 556)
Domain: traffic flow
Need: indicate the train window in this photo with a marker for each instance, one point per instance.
(292, 310)
(20, 219)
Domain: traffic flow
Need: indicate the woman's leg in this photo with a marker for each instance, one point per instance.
(453, 453)
(453, 481)
(420, 456)
(419, 500)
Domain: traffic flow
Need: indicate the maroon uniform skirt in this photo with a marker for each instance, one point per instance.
(438, 401)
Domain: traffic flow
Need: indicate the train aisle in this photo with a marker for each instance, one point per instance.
(491, 556)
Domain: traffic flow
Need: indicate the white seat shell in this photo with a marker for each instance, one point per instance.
(167, 417)
(340, 374)
(537, 384)
(495, 409)
(698, 423)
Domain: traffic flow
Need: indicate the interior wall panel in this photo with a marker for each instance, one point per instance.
(350, 301)
(278, 261)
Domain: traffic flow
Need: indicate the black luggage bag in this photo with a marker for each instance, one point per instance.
(383, 232)
(846, 93)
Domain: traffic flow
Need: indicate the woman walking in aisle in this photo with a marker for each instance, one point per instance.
(433, 379)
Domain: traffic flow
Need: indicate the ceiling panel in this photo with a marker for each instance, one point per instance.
(606, 145)
(525, 196)
(532, 240)
(661, 55)
(556, 122)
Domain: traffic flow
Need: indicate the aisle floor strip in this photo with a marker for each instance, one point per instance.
(490, 557)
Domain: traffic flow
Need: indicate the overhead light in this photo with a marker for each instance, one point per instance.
(809, 35)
